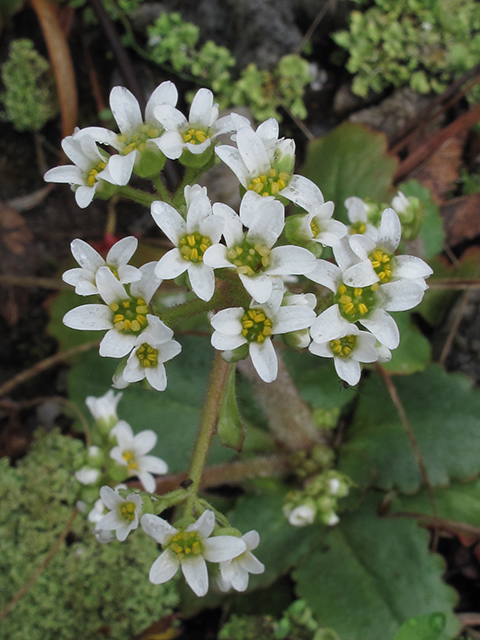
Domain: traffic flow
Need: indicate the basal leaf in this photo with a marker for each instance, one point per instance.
(430, 627)
(351, 161)
(281, 545)
(444, 413)
(369, 575)
(413, 352)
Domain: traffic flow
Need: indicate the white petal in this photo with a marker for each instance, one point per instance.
(68, 174)
(148, 284)
(164, 567)
(172, 119)
(100, 134)
(410, 267)
(123, 531)
(268, 130)
(171, 143)
(109, 287)
(122, 251)
(216, 257)
(288, 260)
(147, 480)
(264, 360)
(212, 227)
(401, 296)
(110, 522)
(253, 152)
(390, 231)
(228, 321)
(259, 287)
(116, 345)
(304, 193)
(157, 528)
(169, 350)
(125, 109)
(205, 524)
(251, 564)
(224, 342)
(365, 350)
(383, 327)
(171, 265)
(327, 274)
(356, 208)
(128, 274)
(154, 465)
(202, 280)
(320, 349)
(361, 274)
(89, 317)
(85, 255)
(240, 580)
(84, 196)
(165, 93)
(73, 150)
(144, 442)
(232, 158)
(348, 370)
(201, 108)
(110, 498)
(251, 539)
(266, 219)
(157, 377)
(330, 325)
(196, 575)
(124, 434)
(169, 220)
(293, 318)
(221, 548)
(121, 167)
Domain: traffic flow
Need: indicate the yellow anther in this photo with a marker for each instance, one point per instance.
(120, 326)
(342, 289)
(281, 183)
(345, 299)
(275, 188)
(258, 187)
(118, 317)
(349, 308)
(284, 176)
(362, 307)
(141, 309)
(374, 286)
(273, 173)
(126, 304)
(113, 306)
(128, 324)
(357, 292)
(135, 325)
(127, 511)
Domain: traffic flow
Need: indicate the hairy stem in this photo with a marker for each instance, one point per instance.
(142, 197)
(161, 189)
(208, 423)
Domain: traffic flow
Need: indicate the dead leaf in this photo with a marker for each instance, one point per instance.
(462, 218)
(441, 170)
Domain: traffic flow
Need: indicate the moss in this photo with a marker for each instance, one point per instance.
(101, 589)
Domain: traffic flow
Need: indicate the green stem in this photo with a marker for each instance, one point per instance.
(161, 189)
(218, 380)
(142, 197)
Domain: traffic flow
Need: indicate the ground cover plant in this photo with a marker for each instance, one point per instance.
(259, 434)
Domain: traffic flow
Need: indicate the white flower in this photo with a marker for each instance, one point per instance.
(262, 162)
(317, 225)
(104, 408)
(124, 514)
(358, 215)
(299, 339)
(135, 135)
(123, 315)
(334, 337)
(189, 548)
(332, 520)
(302, 515)
(257, 264)
(152, 348)
(196, 134)
(98, 511)
(255, 327)
(191, 237)
(353, 304)
(401, 278)
(131, 451)
(87, 172)
(235, 572)
(83, 278)
(87, 475)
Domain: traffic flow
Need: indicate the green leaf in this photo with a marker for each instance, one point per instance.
(281, 545)
(413, 353)
(429, 627)
(444, 414)
(432, 235)
(173, 414)
(459, 502)
(229, 428)
(68, 338)
(369, 575)
(351, 161)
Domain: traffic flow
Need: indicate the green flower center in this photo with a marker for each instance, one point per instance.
(127, 511)
(185, 544)
(270, 185)
(130, 459)
(193, 245)
(129, 315)
(249, 259)
(355, 303)
(343, 347)
(94, 171)
(195, 136)
(256, 325)
(138, 140)
(315, 227)
(147, 355)
(381, 263)
(357, 227)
